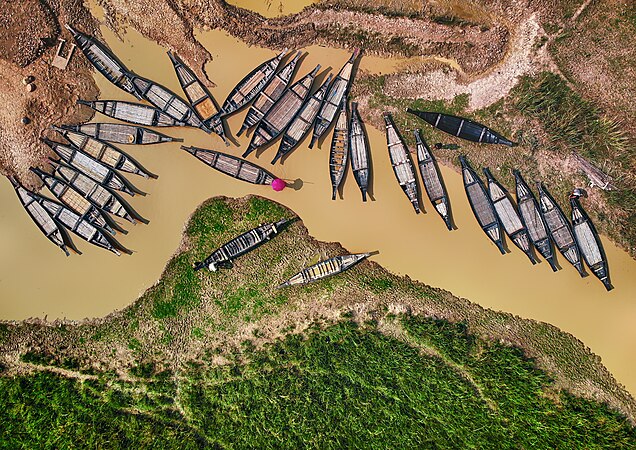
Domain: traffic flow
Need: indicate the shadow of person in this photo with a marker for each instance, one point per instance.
(296, 184)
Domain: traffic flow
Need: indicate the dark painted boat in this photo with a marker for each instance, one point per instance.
(482, 206)
(432, 180)
(339, 152)
(531, 217)
(104, 61)
(325, 269)
(278, 118)
(233, 166)
(559, 229)
(303, 121)
(121, 133)
(241, 245)
(130, 112)
(359, 151)
(508, 215)
(401, 162)
(589, 241)
(462, 128)
(337, 91)
(269, 95)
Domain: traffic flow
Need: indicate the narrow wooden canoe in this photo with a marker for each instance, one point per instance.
(104, 61)
(325, 269)
(588, 241)
(337, 91)
(303, 121)
(278, 118)
(559, 229)
(93, 168)
(531, 217)
(339, 152)
(359, 151)
(432, 180)
(104, 152)
(121, 133)
(269, 95)
(136, 113)
(198, 95)
(401, 162)
(508, 215)
(233, 166)
(482, 206)
(462, 128)
(53, 231)
(241, 245)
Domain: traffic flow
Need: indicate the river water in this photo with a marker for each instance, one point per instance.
(37, 280)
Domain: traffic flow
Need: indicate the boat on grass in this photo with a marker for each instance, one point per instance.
(401, 162)
(325, 269)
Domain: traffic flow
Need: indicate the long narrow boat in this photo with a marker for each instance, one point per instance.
(121, 133)
(401, 162)
(102, 196)
(533, 220)
(339, 151)
(104, 152)
(304, 120)
(482, 206)
(432, 180)
(130, 112)
(588, 241)
(105, 61)
(325, 269)
(508, 215)
(45, 222)
(241, 245)
(93, 168)
(269, 95)
(278, 118)
(462, 128)
(560, 229)
(337, 91)
(198, 95)
(233, 166)
(76, 201)
(359, 151)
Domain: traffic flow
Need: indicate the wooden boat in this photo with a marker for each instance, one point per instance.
(93, 168)
(508, 215)
(462, 128)
(401, 162)
(45, 222)
(339, 152)
(337, 91)
(588, 241)
(233, 166)
(102, 196)
(325, 269)
(130, 112)
(198, 95)
(559, 229)
(480, 203)
(303, 121)
(274, 123)
(104, 152)
(269, 95)
(76, 201)
(432, 180)
(241, 245)
(121, 133)
(531, 217)
(105, 61)
(359, 151)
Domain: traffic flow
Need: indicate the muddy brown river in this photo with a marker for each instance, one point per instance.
(37, 280)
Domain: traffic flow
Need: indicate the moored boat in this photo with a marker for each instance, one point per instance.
(359, 151)
(241, 244)
(480, 203)
(325, 269)
(121, 133)
(401, 162)
(432, 180)
(339, 152)
(130, 112)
